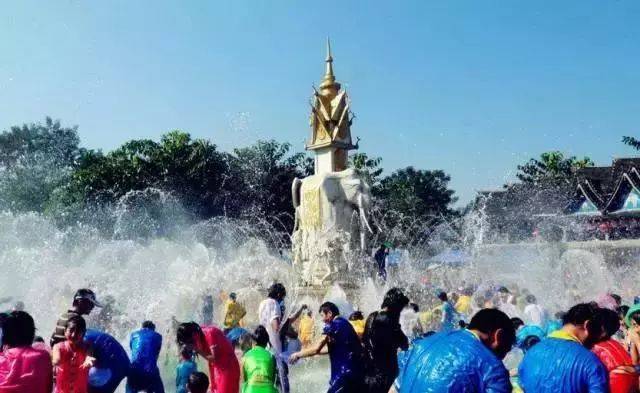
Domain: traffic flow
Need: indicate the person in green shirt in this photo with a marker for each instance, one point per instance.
(259, 366)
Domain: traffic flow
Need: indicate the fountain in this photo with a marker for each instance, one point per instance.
(331, 205)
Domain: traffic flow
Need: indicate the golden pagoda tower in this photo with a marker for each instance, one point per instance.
(330, 123)
(331, 206)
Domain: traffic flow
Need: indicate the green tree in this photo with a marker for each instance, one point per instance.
(631, 141)
(368, 168)
(35, 159)
(266, 171)
(193, 171)
(417, 193)
(551, 166)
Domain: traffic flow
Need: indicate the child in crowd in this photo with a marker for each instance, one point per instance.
(185, 368)
(70, 360)
(198, 383)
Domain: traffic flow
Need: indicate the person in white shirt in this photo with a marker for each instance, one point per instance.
(534, 313)
(270, 315)
(506, 303)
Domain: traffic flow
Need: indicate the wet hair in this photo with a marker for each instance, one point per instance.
(503, 290)
(579, 314)
(233, 296)
(609, 320)
(530, 299)
(148, 325)
(186, 352)
(261, 336)
(462, 324)
(616, 297)
(78, 322)
(277, 291)
(490, 320)
(414, 307)
(622, 311)
(18, 329)
(329, 307)
(429, 333)
(395, 300)
(356, 316)
(186, 332)
(198, 382)
(529, 342)
(245, 342)
(3, 317)
(443, 296)
(517, 322)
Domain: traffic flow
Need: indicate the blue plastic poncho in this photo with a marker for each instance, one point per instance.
(553, 325)
(529, 330)
(560, 364)
(234, 334)
(110, 355)
(145, 347)
(144, 375)
(183, 372)
(451, 362)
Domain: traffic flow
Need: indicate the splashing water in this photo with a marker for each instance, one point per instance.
(158, 265)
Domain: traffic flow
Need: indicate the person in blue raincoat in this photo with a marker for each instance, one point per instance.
(529, 330)
(466, 360)
(555, 323)
(111, 365)
(562, 363)
(144, 374)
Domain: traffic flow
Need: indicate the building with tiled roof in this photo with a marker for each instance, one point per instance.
(599, 203)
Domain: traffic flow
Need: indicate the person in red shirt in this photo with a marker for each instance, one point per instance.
(71, 360)
(622, 376)
(23, 368)
(211, 343)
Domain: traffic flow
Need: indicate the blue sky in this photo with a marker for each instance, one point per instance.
(471, 87)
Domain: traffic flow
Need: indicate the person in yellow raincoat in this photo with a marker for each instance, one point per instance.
(306, 329)
(463, 305)
(233, 313)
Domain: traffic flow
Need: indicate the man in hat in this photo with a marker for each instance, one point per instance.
(84, 301)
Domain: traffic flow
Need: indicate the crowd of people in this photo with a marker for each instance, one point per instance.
(489, 340)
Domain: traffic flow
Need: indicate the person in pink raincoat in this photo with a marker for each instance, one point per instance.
(23, 368)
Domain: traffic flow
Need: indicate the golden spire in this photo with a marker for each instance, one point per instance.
(329, 79)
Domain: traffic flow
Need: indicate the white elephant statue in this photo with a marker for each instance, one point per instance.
(330, 214)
